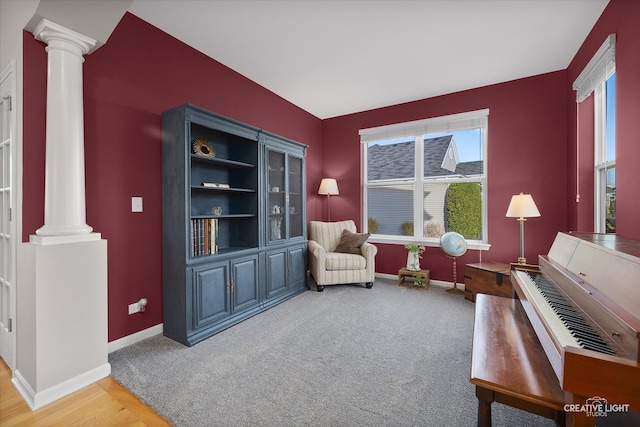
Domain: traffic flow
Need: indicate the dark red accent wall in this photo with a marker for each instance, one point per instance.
(142, 71)
(128, 83)
(622, 18)
(526, 153)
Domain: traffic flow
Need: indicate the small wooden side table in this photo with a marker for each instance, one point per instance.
(404, 272)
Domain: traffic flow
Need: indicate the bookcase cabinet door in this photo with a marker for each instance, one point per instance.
(245, 284)
(276, 272)
(210, 294)
(297, 264)
(286, 270)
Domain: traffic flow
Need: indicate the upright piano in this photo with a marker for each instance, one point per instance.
(582, 303)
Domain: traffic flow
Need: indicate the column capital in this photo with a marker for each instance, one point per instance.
(48, 31)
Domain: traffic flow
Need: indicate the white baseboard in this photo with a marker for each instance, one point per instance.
(134, 338)
(439, 283)
(37, 400)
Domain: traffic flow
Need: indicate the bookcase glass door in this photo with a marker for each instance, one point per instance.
(277, 195)
(295, 196)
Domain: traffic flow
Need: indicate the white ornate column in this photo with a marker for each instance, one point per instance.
(62, 318)
(64, 206)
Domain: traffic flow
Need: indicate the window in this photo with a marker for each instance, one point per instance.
(599, 77)
(425, 178)
(605, 156)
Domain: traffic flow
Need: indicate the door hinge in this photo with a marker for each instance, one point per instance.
(8, 98)
(10, 325)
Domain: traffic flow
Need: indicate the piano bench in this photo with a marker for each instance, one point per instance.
(514, 372)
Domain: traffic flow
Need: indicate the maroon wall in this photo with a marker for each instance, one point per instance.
(526, 152)
(142, 71)
(622, 18)
(128, 83)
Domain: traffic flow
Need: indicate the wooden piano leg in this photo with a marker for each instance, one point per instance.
(578, 419)
(485, 398)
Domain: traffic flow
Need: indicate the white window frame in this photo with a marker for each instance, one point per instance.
(418, 129)
(593, 78)
(602, 165)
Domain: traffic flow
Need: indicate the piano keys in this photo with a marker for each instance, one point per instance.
(582, 333)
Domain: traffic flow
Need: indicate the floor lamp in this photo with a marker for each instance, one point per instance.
(522, 206)
(328, 187)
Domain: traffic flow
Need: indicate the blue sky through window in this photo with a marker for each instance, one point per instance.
(468, 142)
(611, 118)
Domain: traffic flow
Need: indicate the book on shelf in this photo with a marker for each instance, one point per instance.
(214, 185)
(204, 236)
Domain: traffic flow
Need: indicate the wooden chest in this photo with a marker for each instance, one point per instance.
(490, 278)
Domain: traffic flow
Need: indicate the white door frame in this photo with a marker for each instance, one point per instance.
(8, 220)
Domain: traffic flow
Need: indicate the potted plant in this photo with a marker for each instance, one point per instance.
(414, 255)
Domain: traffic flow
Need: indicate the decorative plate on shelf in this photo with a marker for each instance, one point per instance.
(203, 148)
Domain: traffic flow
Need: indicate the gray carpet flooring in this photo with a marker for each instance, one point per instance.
(348, 356)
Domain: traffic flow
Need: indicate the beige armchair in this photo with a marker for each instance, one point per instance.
(354, 264)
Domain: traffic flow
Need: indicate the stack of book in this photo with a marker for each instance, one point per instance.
(204, 236)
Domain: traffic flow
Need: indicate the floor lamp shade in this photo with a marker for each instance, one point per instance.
(522, 206)
(328, 187)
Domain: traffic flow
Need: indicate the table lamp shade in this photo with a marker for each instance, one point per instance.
(522, 206)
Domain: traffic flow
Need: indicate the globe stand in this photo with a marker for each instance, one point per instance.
(453, 245)
(455, 289)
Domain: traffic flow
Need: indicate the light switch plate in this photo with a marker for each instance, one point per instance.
(136, 204)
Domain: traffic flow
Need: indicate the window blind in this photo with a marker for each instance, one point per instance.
(451, 123)
(599, 69)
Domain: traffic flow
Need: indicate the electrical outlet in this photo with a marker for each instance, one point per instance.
(134, 308)
(138, 307)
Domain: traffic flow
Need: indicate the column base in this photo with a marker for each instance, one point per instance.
(67, 238)
(48, 230)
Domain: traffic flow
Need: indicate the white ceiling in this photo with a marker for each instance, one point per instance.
(338, 57)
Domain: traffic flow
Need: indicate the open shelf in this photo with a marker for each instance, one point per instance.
(218, 161)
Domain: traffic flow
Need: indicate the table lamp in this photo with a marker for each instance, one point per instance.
(522, 206)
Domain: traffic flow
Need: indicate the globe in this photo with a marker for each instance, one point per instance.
(453, 244)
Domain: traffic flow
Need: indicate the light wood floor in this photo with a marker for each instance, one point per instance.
(103, 403)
